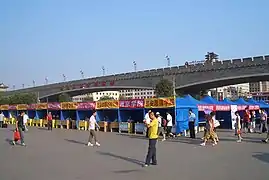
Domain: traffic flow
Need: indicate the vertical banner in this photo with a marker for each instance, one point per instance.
(233, 117)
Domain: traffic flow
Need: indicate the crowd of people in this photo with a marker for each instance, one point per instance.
(157, 126)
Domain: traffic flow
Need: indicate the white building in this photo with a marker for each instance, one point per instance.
(262, 86)
(137, 93)
(96, 96)
(232, 92)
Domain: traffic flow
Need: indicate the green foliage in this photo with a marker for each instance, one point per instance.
(103, 98)
(64, 97)
(23, 98)
(164, 88)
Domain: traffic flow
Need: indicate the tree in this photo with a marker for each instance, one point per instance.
(103, 98)
(64, 97)
(22, 98)
(164, 88)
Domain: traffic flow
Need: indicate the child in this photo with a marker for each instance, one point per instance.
(238, 126)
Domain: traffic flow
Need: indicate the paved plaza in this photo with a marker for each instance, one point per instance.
(62, 155)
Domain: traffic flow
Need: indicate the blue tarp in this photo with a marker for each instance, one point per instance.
(227, 101)
(182, 112)
(241, 101)
(266, 105)
(210, 100)
(252, 101)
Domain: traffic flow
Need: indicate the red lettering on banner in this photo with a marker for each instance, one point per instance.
(112, 83)
(103, 83)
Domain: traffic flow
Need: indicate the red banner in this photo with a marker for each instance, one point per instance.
(12, 107)
(54, 106)
(202, 107)
(223, 107)
(31, 107)
(86, 105)
(134, 103)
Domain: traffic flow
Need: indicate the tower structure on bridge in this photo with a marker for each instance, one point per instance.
(3, 87)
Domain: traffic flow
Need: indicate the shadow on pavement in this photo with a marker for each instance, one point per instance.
(131, 160)
(262, 156)
(9, 141)
(44, 129)
(127, 171)
(133, 136)
(75, 141)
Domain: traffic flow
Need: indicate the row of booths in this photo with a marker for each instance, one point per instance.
(128, 115)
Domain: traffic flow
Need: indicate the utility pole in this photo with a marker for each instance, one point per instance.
(103, 69)
(168, 60)
(82, 74)
(135, 66)
(64, 77)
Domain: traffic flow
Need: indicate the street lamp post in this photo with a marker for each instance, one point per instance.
(82, 74)
(135, 65)
(64, 77)
(103, 69)
(46, 80)
(168, 60)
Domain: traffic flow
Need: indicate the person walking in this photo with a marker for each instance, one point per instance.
(147, 121)
(210, 134)
(238, 126)
(20, 128)
(1, 119)
(25, 120)
(92, 125)
(49, 119)
(169, 126)
(263, 123)
(246, 120)
(153, 136)
(192, 119)
(161, 125)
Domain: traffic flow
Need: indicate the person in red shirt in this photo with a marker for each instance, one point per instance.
(49, 118)
(246, 120)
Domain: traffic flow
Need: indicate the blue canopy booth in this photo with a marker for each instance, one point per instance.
(131, 115)
(161, 105)
(4, 109)
(13, 112)
(107, 112)
(41, 111)
(183, 105)
(55, 110)
(223, 111)
(202, 106)
(84, 112)
(264, 105)
(31, 111)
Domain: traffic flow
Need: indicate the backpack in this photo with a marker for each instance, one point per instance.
(164, 122)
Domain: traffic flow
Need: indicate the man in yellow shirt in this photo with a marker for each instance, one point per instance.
(153, 136)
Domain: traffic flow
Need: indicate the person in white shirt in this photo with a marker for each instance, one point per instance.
(147, 121)
(169, 127)
(92, 125)
(25, 119)
(160, 125)
(1, 119)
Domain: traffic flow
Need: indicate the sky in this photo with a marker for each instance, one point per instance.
(49, 38)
